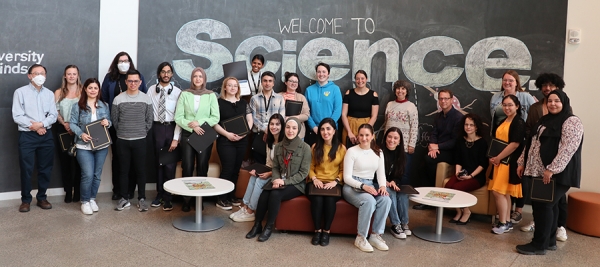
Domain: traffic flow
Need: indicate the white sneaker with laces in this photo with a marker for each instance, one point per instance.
(530, 227)
(407, 231)
(377, 242)
(561, 234)
(86, 208)
(94, 205)
(362, 244)
(240, 211)
(244, 217)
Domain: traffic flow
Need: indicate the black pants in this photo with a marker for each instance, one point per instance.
(431, 165)
(322, 209)
(70, 170)
(116, 167)
(231, 155)
(163, 136)
(132, 153)
(189, 156)
(270, 200)
(258, 155)
(545, 215)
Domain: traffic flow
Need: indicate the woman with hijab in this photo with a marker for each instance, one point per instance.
(195, 106)
(290, 169)
(553, 153)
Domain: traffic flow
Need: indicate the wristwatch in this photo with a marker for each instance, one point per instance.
(361, 186)
(337, 181)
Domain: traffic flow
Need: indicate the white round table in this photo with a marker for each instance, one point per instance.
(197, 222)
(438, 233)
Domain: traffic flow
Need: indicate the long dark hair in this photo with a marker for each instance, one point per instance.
(374, 146)
(517, 103)
(476, 120)
(84, 97)
(270, 136)
(400, 156)
(113, 70)
(318, 150)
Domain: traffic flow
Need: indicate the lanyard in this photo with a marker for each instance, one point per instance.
(267, 104)
(253, 82)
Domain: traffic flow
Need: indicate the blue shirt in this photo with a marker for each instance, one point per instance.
(29, 105)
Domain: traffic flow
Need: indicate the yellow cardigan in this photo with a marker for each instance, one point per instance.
(328, 170)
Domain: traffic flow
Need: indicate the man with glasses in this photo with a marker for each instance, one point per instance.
(132, 116)
(34, 112)
(166, 133)
(442, 138)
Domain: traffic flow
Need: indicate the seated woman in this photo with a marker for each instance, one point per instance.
(369, 196)
(326, 170)
(290, 169)
(257, 181)
(471, 163)
(395, 158)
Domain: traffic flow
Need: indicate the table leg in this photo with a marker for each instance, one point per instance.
(438, 233)
(197, 222)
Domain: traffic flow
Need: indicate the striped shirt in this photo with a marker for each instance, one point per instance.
(132, 116)
(260, 113)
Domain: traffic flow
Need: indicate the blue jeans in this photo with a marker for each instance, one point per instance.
(407, 167)
(368, 206)
(399, 208)
(253, 191)
(91, 163)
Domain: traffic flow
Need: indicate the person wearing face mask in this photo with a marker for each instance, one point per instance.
(166, 133)
(114, 84)
(34, 112)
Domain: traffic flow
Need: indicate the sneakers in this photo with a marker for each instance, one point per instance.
(516, 217)
(142, 205)
(123, 203)
(501, 228)
(362, 244)
(236, 202)
(167, 206)
(240, 211)
(156, 202)
(510, 225)
(94, 205)
(244, 217)
(224, 204)
(530, 227)
(406, 230)
(86, 208)
(397, 231)
(377, 242)
(561, 234)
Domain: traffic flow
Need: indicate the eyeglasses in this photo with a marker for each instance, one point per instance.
(444, 98)
(508, 105)
(123, 61)
(294, 82)
(38, 73)
(166, 72)
(133, 82)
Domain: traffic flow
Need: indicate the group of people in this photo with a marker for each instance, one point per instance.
(367, 175)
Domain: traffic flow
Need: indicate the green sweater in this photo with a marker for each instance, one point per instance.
(299, 166)
(208, 110)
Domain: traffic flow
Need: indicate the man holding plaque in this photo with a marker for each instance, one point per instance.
(132, 117)
(166, 133)
(34, 112)
(442, 138)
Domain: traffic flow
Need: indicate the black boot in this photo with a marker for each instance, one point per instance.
(324, 239)
(76, 194)
(256, 229)
(68, 197)
(266, 233)
(316, 238)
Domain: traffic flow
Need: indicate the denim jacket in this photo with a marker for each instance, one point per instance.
(80, 118)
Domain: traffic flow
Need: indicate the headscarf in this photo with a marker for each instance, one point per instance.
(202, 90)
(554, 122)
(289, 145)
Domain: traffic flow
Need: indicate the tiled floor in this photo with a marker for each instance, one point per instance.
(63, 236)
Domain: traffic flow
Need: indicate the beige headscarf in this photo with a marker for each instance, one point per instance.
(202, 90)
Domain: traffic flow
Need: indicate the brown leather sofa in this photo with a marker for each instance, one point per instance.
(294, 215)
(486, 204)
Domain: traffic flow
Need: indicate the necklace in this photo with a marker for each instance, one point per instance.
(469, 144)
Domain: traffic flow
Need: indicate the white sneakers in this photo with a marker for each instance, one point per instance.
(530, 227)
(374, 241)
(86, 208)
(362, 244)
(242, 215)
(561, 234)
(94, 205)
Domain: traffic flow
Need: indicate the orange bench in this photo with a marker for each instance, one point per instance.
(584, 213)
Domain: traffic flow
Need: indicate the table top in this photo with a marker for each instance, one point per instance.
(459, 200)
(178, 186)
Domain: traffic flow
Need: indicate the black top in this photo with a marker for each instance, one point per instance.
(472, 157)
(228, 110)
(445, 129)
(359, 106)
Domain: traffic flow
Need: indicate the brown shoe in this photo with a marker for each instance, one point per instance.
(24, 207)
(44, 204)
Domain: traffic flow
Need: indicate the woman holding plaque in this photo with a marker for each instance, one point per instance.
(233, 127)
(291, 94)
(65, 97)
(90, 108)
(360, 105)
(290, 168)
(326, 172)
(553, 154)
(195, 107)
(505, 182)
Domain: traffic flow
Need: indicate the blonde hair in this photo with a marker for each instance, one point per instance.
(237, 94)
(63, 87)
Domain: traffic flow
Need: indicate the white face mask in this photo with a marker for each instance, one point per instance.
(39, 80)
(123, 67)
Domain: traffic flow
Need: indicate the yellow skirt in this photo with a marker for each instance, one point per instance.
(500, 182)
(354, 123)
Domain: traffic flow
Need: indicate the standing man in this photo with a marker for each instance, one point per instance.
(164, 97)
(34, 112)
(132, 117)
(263, 106)
(442, 138)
